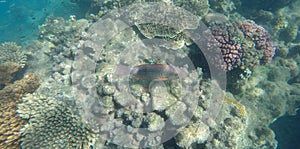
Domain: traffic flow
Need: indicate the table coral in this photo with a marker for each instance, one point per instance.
(10, 122)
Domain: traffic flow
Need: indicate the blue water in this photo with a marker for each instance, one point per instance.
(287, 130)
(19, 19)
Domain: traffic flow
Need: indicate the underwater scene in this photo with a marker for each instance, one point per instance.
(155, 74)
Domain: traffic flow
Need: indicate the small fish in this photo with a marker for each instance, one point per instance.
(151, 71)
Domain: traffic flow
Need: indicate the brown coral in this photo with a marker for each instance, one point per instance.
(6, 71)
(10, 122)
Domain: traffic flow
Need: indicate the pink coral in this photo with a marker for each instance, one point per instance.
(261, 38)
(231, 49)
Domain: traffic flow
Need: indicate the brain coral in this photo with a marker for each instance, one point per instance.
(52, 124)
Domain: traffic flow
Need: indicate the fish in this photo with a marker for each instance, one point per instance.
(161, 72)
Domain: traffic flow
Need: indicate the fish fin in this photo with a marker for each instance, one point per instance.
(122, 70)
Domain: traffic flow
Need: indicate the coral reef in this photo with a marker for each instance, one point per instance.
(11, 52)
(60, 31)
(243, 46)
(261, 38)
(19, 88)
(240, 109)
(197, 7)
(6, 72)
(10, 122)
(194, 133)
(178, 39)
(229, 40)
(134, 112)
(222, 6)
(52, 124)
(266, 4)
(229, 128)
(94, 107)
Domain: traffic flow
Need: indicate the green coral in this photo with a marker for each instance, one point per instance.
(11, 52)
(52, 124)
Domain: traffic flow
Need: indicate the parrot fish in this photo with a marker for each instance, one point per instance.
(151, 71)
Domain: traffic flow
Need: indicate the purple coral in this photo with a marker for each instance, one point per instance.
(261, 38)
(232, 40)
(231, 50)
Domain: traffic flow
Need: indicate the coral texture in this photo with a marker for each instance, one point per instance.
(227, 37)
(261, 38)
(242, 45)
(10, 122)
(52, 124)
(11, 52)
(6, 72)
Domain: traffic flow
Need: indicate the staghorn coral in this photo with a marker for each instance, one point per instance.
(10, 122)
(52, 124)
(11, 52)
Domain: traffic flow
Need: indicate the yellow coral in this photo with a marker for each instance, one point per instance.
(240, 107)
(10, 122)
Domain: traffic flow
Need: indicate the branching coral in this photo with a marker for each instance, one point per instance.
(261, 38)
(243, 46)
(11, 52)
(10, 122)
